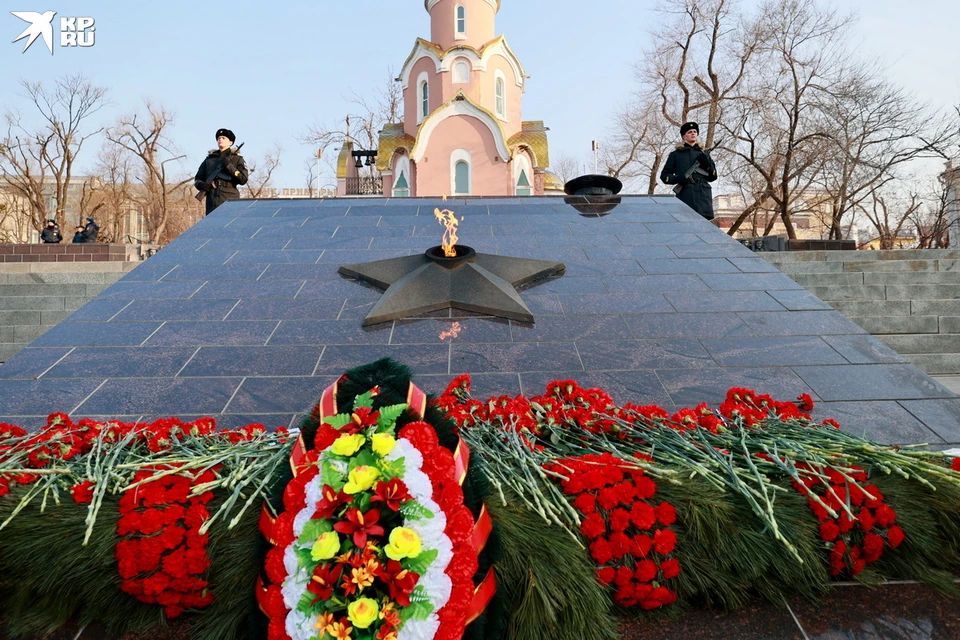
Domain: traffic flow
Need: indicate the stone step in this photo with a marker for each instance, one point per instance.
(34, 279)
(830, 293)
(925, 343)
(790, 268)
(880, 325)
(911, 277)
(40, 303)
(936, 364)
(935, 307)
(862, 256)
(827, 279)
(871, 308)
(898, 266)
(949, 324)
(33, 290)
(920, 291)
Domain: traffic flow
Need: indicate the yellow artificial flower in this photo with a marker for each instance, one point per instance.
(404, 543)
(363, 612)
(383, 443)
(348, 445)
(361, 478)
(326, 546)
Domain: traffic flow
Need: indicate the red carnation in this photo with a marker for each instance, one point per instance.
(646, 571)
(955, 465)
(623, 576)
(805, 402)
(593, 526)
(895, 536)
(829, 530)
(643, 515)
(619, 519)
(885, 515)
(666, 514)
(641, 545)
(664, 541)
(670, 568)
(600, 551)
(585, 503)
(82, 493)
(606, 575)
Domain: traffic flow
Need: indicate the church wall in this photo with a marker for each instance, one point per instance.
(480, 23)
(488, 170)
(411, 95)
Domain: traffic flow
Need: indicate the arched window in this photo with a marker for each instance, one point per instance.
(401, 169)
(500, 93)
(461, 22)
(424, 99)
(523, 184)
(521, 175)
(461, 72)
(461, 182)
(461, 178)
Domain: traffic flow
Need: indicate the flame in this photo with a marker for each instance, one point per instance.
(448, 220)
(452, 333)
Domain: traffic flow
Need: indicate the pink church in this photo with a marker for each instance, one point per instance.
(462, 131)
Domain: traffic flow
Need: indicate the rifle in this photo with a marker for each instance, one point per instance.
(213, 176)
(695, 168)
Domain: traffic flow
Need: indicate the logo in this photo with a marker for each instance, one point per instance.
(74, 31)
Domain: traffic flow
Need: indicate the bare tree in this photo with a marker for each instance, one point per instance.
(363, 128)
(567, 168)
(261, 173)
(144, 135)
(889, 214)
(109, 196)
(38, 162)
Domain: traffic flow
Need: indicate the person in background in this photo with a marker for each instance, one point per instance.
(695, 189)
(221, 172)
(51, 233)
(78, 237)
(90, 231)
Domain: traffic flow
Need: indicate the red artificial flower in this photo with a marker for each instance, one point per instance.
(330, 501)
(392, 494)
(82, 493)
(360, 525)
(323, 581)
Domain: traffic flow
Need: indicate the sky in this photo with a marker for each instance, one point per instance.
(270, 70)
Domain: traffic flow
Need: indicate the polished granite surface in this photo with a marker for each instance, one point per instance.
(245, 318)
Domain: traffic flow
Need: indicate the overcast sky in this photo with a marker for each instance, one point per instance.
(268, 72)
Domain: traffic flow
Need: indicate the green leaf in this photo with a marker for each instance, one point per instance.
(338, 421)
(391, 468)
(421, 563)
(313, 529)
(420, 606)
(388, 417)
(413, 510)
(304, 558)
(363, 400)
(364, 457)
(305, 604)
(332, 477)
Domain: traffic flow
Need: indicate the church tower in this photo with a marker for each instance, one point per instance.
(462, 131)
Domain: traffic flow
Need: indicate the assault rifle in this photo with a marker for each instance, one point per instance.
(208, 181)
(696, 168)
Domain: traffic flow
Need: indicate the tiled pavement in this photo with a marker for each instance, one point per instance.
(244, 317)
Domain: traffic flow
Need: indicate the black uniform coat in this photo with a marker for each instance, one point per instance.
(51, 235)
(233, 174)
(696, 194)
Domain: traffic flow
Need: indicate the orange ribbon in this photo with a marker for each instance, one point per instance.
(482, 596)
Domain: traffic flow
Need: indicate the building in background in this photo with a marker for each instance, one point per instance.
(462, 131)
(812, 216)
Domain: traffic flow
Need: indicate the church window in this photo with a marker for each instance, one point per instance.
(424, 99)
(523, 184)
(461, 178)
(500, 96)
(401, 189)
(461, 21)
(461, 72)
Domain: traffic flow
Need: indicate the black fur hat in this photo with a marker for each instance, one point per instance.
(686, 126)
(226, 133)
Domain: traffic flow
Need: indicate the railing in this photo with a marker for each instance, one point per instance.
(365, 186)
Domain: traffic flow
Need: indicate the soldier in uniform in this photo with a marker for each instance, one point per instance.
(695, 190)
(221, 172)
